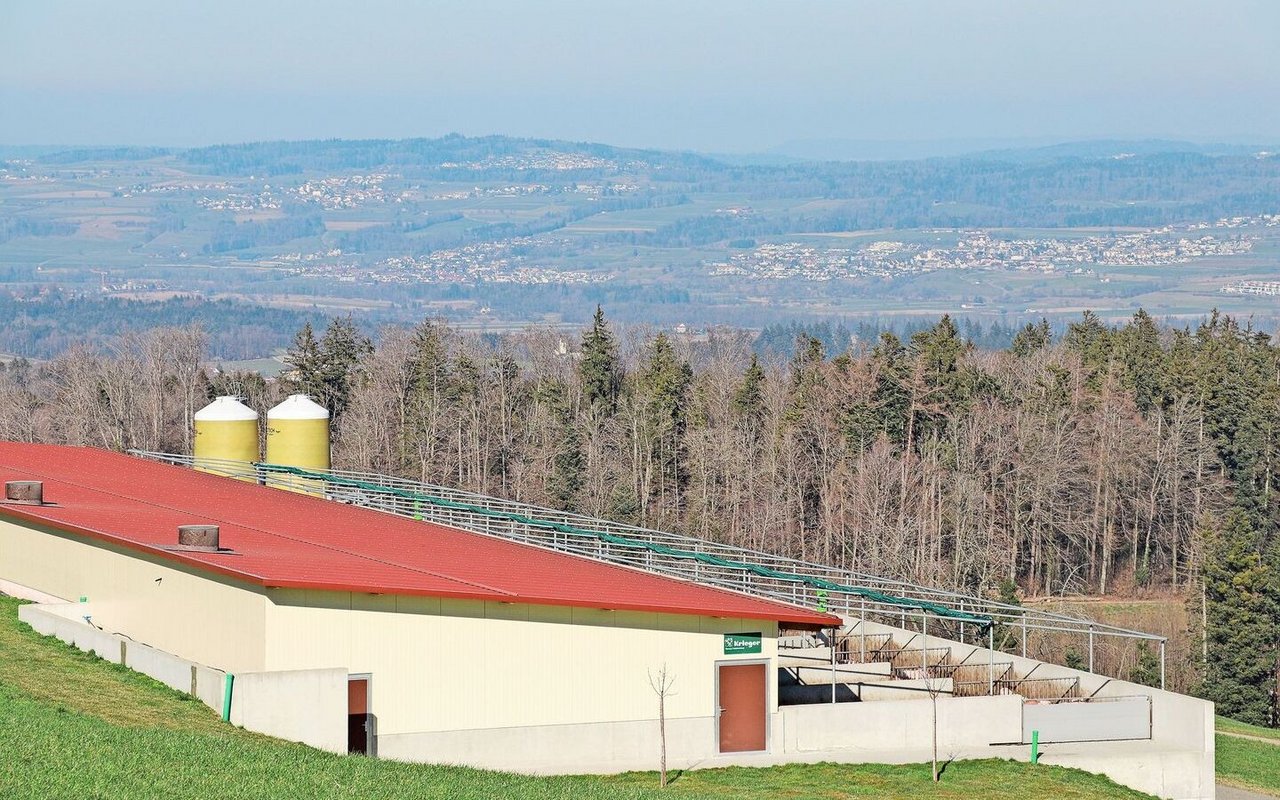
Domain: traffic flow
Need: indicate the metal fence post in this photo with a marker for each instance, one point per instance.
(991, 659)
(1091, 648)
(862, 628)
(924, 656)
(835, 637)
(1162, 644)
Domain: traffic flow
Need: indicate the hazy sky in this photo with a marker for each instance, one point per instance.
(716, 76)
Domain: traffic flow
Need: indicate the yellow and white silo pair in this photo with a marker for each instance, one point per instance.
(226, 431)
(298, 436)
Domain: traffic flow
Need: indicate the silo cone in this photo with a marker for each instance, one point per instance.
(298, 436)
(226, 430)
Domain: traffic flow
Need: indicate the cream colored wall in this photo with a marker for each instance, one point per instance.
(191, 615)
(441, 665)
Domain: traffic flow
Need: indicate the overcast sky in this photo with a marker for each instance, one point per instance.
(699, 74)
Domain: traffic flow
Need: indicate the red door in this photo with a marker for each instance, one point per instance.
(743, 699)
(358, 715)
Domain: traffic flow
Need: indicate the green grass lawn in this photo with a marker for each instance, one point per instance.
(1246, 762)
(73, 726)
(1231, 726)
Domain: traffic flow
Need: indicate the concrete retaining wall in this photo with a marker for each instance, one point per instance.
(963, 723)
(844, 673)
(66, 622)
(846, 732)
(308, 706)
(557, 749)
(1097, 721)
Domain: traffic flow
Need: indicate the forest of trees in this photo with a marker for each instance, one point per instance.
(1112, 460)
(43, 324)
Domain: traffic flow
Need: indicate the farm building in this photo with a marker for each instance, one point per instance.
(398, 636)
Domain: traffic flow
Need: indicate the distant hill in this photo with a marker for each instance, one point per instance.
(484, 154)
(1038, 150)
(1116, 148)
(893, 149)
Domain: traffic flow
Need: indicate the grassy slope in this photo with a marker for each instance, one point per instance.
(72, 726)
(1245, 762)
(1245, 729)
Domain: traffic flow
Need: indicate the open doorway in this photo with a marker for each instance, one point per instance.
(360, 728)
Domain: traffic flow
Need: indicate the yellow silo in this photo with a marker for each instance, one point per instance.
(298, 436)
(226, 430)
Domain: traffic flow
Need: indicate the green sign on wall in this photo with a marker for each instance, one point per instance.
(740, 644)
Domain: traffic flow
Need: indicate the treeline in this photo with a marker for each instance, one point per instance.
(1109, 460)
(415, 157)
(48, 324)
(782, 338)
(420, 238)
(228, 236)
(1080, 466)
(17, 227)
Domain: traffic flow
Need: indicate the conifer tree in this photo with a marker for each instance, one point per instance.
(341, 351)
(664, 381)
(600, 370)
(1139, 351)
(806, 375)
(1091, 339)
(940, 382)
(748, 400)
(568, 465)
(1032, 337)
(306, 363)
(1242, 610)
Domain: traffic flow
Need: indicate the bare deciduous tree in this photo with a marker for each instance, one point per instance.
(662, 684)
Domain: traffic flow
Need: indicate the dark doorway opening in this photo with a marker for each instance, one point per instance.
(359, 721)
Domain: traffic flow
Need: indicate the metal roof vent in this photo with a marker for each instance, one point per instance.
(27, 493)
(198, 537)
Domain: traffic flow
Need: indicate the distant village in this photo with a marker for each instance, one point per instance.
(513, 260)
(484, 262)
(981, 250)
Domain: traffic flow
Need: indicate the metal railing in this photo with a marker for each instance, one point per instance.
(851, 594)
(1053, 689)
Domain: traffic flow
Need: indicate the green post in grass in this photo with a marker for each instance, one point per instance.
(1035, 747)
(228, 681)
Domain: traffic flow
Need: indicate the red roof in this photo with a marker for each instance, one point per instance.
(284, 539)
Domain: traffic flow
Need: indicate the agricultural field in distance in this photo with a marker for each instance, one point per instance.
(495, 232)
